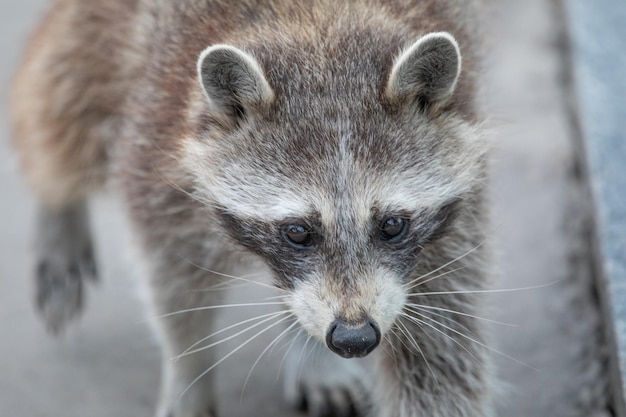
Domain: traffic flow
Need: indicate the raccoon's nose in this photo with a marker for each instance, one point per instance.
(350, 341)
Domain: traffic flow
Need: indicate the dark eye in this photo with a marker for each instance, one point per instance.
(392, 229)
(297, 235)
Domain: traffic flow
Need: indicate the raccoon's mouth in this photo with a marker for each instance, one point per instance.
(352, 340)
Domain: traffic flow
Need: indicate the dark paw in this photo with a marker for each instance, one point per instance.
(65, 263)
(319, 401)
(60, 289)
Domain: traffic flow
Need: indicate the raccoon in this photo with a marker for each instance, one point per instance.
(339, 143)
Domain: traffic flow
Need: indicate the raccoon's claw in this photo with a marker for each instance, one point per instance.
(324, 384)
(210, 413)
(319, 401)
(65, 263)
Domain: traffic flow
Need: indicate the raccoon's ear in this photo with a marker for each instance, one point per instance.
(232, 80)
(427, 71)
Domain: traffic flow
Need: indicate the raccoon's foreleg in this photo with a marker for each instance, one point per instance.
(65, 262)
(427, 372)
(181, 291)
(185, 391)
(320, 382)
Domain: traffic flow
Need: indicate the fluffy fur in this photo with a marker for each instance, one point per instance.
(223, 122)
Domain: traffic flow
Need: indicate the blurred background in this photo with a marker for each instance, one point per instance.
(108, 363)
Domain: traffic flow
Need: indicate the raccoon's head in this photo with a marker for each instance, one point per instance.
(338, 170)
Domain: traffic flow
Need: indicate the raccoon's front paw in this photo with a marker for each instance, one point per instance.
(326, 385)
(59, 287)
(65, 261)
(320, 400)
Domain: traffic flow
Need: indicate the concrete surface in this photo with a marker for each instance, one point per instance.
(598, 31)
(108, 364)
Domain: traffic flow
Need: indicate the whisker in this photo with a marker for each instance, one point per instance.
(487, 291)
(222, 286)
(476, 341)
(416, 282)
(449, 319)
(426, 307)
(300, 358)
(403, 330)
(238, 348)
(275, 297)
(421, 352)
(421, 322)
(189, 351)
(227, 285)
(195, 309)
(394, 350)
(177, 187)
(458, 258)
(221, 274)
(276, 339)
(282, 362)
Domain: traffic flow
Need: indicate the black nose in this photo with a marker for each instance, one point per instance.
(352, 341)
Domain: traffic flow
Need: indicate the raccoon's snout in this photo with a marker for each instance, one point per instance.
(349, 341)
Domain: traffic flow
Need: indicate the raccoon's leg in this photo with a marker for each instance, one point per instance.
(64, 111)
(65, 262)
(321, 383)
(430, 370)
(185, 392)
(180, 292)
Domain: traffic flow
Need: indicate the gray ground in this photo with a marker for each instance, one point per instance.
(108, 365)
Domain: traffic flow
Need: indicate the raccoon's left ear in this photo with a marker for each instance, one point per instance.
(232, 80)
(427, 71)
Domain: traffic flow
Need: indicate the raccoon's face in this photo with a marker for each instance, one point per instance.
(338, 192)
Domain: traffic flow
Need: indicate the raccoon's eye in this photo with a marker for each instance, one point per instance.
(297, 235)
(392, 229)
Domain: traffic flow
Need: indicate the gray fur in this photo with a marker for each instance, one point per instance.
(331, 140)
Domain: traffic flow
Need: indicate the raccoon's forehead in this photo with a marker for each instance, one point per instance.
(330, 143)
(290, 171)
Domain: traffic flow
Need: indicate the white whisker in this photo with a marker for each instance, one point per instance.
(270, 315)
(276, 339)
(421, 322)
(475, 341)
(195, 309)
(449, 319)
(426, 307)
(418, 281)
(394, 351)
(222, 286)
(204, 202)
(300, 358)
(221, 274)
(414, 343)
(282, 362)
(486, 291)
(458, 258)
(238, 348)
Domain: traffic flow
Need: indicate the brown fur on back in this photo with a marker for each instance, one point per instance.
(68, 95)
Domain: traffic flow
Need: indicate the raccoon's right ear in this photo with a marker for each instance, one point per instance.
(232, 80)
